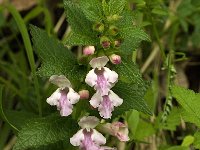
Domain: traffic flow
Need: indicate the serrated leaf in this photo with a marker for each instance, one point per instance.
(78, 39)
(92, 10)
(44, 131)
(56, 59)
(116, 6)
(76, 18)
(131, 88)
(132, 37)
(189, 100)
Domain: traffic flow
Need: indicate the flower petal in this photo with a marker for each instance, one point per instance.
(61, 81)
(72, 96)
(99, 62)
(116, 100)
(111, 76)
(102, 84)
(98, 138)
(65, 105)
(106, 107)
(91, 78)
(54, 98)
(77, 138)
(88, 122)
(96, 100)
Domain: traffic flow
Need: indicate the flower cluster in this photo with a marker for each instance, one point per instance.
(102, 79)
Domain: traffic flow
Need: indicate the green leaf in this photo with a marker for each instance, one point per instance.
(173, 120)
(160, 11)
(78, 39)
(116, 6)
(56, 59)
(132, 37)
(131, 88)
(188, 140)
(19, 118)
(76, 18)
(178, 148)
(189, 100)
(92, 10)
(44, 131)
(197, 140)
(145, 129)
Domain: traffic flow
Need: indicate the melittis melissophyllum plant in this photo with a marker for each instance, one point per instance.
(99, 83)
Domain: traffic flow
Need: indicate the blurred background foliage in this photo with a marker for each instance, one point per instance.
(174, 28)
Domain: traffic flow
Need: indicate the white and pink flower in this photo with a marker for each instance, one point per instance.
(106, 103)
(64, 97)
(88, 138)
(101, 77)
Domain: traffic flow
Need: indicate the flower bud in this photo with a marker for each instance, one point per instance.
(99, 27)
(116, 129)
(84, 94)
(113, 30)
(88, 50)
(105, 42)
(115, 59)
(114, 17)
(117, 43)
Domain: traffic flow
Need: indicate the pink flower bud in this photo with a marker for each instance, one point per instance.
(105, 42)
(115, 59)
(88, 50)
(84, 94)
(117, 43)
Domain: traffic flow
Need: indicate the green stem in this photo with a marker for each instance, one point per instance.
(2, 112)
(29, 51)
(158, 38)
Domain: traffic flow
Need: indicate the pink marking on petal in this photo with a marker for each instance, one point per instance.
(106, 107)
(87, 142)
(102, 85)
(64, 105)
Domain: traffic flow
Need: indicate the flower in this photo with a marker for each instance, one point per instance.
(88, 50)
(100, 77)
(106, 103)
(118, 129)
(88, 138)
(64, 96)
(115, 59)
(84, 94)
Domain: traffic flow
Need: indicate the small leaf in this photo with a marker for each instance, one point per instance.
(188, 140)
(160, 11)
(116, 6)
(189, 100)
(131, 88)
(56, 59)
(92, 10)
(76, 18)
(44, 131)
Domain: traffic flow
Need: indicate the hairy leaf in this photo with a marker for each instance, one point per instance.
(92, 10)
(76, 18)
(131, 88)
(44, 131)
(116, 6)
(132, 37)
(78, 39)
(56, 59)
(190, 101)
